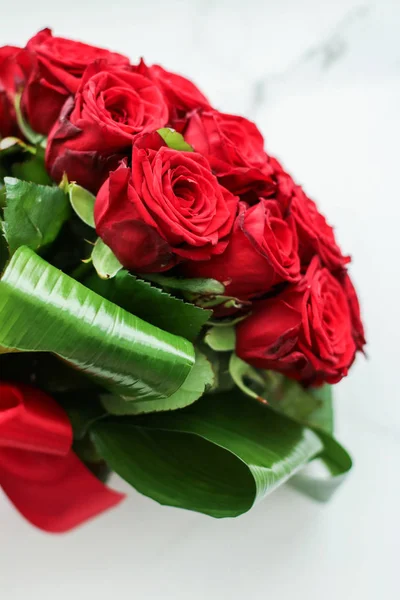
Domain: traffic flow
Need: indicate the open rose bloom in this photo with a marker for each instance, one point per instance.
(174, 308)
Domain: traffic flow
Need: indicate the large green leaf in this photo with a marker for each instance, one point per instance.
(44, 310)
(151, 304)
(34, 214)
(218, 456)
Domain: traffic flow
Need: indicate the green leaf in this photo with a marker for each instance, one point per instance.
(44, 310)
(26, 129)
(104, 260)
(196, 286)
(217, 456)
(174, 140)
(200, 378)
(82, 202)
(151, 304)
(34, 214)
(221, 339)
(312, 407)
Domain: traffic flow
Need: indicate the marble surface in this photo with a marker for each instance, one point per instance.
(322, 80)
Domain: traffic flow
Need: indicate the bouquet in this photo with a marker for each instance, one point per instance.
(173, 307)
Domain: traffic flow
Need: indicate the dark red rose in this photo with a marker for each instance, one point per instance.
(96, 130)
(181, 95)
(306, 332)
(235, 149)
(351, 294)
(315, 235)
(59, 64)
(13, 63)
(261, 253)
(166, 208)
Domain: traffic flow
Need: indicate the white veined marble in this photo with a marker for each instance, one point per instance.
(322, 79)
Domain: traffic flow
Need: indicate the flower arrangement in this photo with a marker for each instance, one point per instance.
(173, 306)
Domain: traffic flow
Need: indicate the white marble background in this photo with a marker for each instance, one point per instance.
(322, 79)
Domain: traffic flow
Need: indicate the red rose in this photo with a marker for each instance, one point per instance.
(235, 149)
(306, 332)
(12, 64)
(315, 235)
(351, 294)
(261, 253)
(181, 95)
(59, 66)
(96, 130)
(166, 208)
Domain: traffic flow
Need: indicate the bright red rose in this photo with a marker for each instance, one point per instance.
(166, 208)
(13, 62)
(235, 149)
(59, 64)
(315, 235)
(261, 253)
(181, 95)
(306, 332)
(96, 130)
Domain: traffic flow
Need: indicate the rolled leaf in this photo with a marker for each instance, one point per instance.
(218, 456)
(44, 310)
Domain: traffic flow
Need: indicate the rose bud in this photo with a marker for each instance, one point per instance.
(13, 63)
(96, 130)
(262, 252)
(235, 149)
(306, 332)
(59, 64)
(166, 208)
(181, 95)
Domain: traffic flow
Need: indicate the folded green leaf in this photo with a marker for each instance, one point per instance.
(44, 310)
(104, 260)
(151, 304)
(34, 214)
(308, 406)
(218, 456)
(321, 478)
(199, 379)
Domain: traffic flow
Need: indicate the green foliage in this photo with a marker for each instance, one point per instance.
(200, 378)
(196, 286)
(217, 456)
(44, 310)
(308, 406)
(34, 214)
(151, 304)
